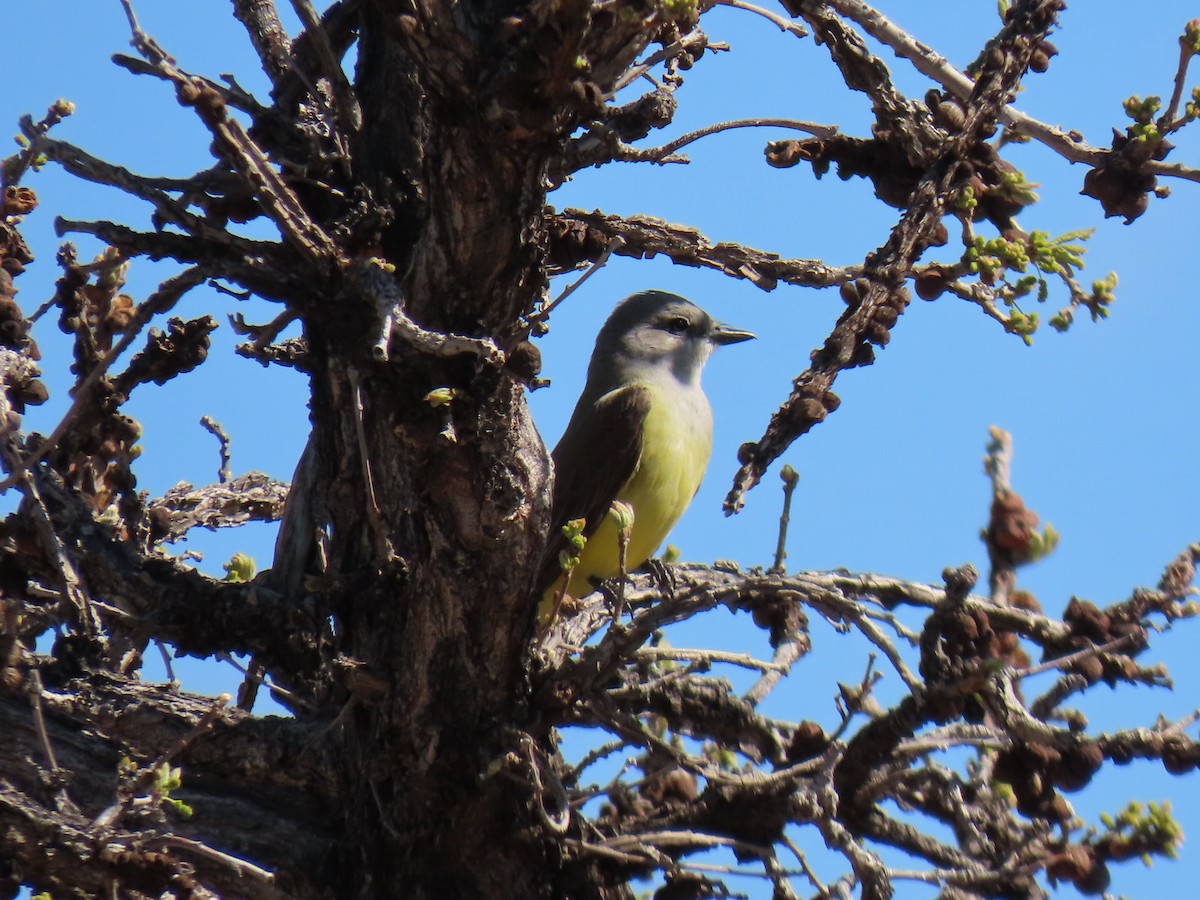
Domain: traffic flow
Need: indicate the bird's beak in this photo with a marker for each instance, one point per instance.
(724, 334)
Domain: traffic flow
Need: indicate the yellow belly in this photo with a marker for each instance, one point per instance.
(676, 444)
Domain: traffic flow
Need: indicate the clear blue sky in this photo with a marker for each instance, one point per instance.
(1104, 418)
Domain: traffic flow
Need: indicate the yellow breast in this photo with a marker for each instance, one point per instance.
(676, 444)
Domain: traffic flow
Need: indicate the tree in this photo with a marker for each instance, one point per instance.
(414, 245)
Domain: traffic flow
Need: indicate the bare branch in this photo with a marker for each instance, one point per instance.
(645, 236)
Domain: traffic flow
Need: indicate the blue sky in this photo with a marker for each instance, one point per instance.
(1103, 418)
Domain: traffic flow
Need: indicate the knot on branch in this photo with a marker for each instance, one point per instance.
(1033, 770)
(957, 642)
(1122, 183)
(1093, 629)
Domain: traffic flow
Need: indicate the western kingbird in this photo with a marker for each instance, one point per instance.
(640, 433)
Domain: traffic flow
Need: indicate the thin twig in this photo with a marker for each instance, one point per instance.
(785, 25)
(616, 243)
(267, 333)
(1063, 662)
(240, 866)
(213, 427)
(379, 529)
(559, 822)
(790, 478)
(260, 678)
(166, 658)
(248, 689)
(592, 757)
(15, 167)
(661, 154)
(39, 720)
(1166, 122)
(710, 656)
(781, 663)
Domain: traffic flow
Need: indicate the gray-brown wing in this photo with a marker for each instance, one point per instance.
(595, 457)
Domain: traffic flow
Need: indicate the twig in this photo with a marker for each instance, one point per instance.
(592, 757)
(166, 658)
(784, 25)
(39, 720)
(663, 153)
(1063, 662)
(1166, 122)
(877, 637)
(267, 333)
(248, 689)
(623, 514)
(13, 168)
(241, 867)
(213, 427)
(163, 299)
(383, 540)
(557, 823)
(690, 41)
(803, 860)
(998, 462)
(710, 656)
(287, 695)
(614, 244)
(790, 478)
(560, 595)
(781, 663)
(1183, 724)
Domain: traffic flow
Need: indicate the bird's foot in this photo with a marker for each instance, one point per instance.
(663, 575)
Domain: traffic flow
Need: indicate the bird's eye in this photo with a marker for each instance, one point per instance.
(676, 325)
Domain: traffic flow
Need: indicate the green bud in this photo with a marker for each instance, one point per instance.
(622, 514)
(240, 569)
(1190, 39)
(1042, 545)
(573, 532)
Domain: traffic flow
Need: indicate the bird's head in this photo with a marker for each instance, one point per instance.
(655, 334)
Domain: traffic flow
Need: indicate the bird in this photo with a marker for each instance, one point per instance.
(641, 433)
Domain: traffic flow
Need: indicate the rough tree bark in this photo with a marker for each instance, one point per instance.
(415, 248)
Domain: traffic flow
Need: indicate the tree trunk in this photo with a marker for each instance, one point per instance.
(436, 514)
